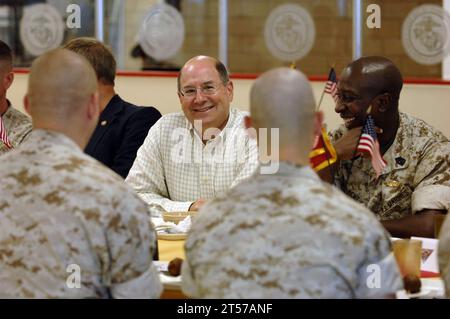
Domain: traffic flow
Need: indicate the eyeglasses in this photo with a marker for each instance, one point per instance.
(205, 89)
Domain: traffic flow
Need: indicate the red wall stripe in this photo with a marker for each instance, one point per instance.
(248, 76)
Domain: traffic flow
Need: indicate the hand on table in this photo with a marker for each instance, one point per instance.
(197, 204)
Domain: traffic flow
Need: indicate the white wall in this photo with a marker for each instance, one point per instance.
(428, 102)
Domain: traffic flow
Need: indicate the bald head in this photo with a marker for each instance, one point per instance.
(60, 82)
(283, 98)
(219, 66)
(62, 95)
(375, 75)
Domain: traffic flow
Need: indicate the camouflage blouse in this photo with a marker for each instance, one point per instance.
(70, 227)
(417, 175)
(287, 235)
(18, 127)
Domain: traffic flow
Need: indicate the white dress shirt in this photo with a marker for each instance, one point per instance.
(174, 168)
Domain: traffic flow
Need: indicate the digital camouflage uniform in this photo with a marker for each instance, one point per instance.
(444, 255)
(59, 208)
(287, 235)
(18, 127)
(417, 175)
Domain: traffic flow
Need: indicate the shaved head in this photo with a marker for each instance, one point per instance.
(283, 98)
(62, 94)
(60, 81)
(374, 75)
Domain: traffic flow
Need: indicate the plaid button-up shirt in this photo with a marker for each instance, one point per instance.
(173, 167)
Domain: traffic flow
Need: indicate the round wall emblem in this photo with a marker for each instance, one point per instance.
(289, 32)
(426, 34)
(41, 28)
(162, 32)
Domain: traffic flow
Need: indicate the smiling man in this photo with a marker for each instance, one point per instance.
(190, 157)
(415, 184)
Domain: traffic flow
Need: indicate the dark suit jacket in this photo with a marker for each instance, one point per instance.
(121, 130)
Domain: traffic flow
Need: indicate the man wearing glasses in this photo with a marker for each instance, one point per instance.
(415, 184)
(190, 157)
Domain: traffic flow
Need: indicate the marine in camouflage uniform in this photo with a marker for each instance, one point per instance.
(69, 226)
(417, 175)
(18, 126)
(287, 235)
(59, 207)
(414, 187)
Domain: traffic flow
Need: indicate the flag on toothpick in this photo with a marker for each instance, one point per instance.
(368, 144)
(331, 85)
(323, 153)
(4, 135)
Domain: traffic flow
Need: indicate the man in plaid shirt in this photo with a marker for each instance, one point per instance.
(190, 157)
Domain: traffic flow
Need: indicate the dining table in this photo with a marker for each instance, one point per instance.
(169, 250)
(432, 284)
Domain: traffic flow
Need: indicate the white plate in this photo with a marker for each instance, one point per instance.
(431, 288)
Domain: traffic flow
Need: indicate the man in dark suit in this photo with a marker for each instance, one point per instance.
(122, 126)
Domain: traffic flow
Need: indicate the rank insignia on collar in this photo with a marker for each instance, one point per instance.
(392, 183)
(103, 123)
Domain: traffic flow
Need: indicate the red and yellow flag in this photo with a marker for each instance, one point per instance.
(323, 153)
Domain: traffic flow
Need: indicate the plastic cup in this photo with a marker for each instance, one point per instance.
(408, 253)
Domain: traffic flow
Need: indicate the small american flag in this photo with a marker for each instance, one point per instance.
(368, 143)
(4, 135)
(331, 85)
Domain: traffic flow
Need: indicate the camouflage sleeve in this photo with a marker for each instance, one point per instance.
(131, 242)
(188, 285)
(379, 276)
(379, 279)
(26, 135)
(432, 179)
